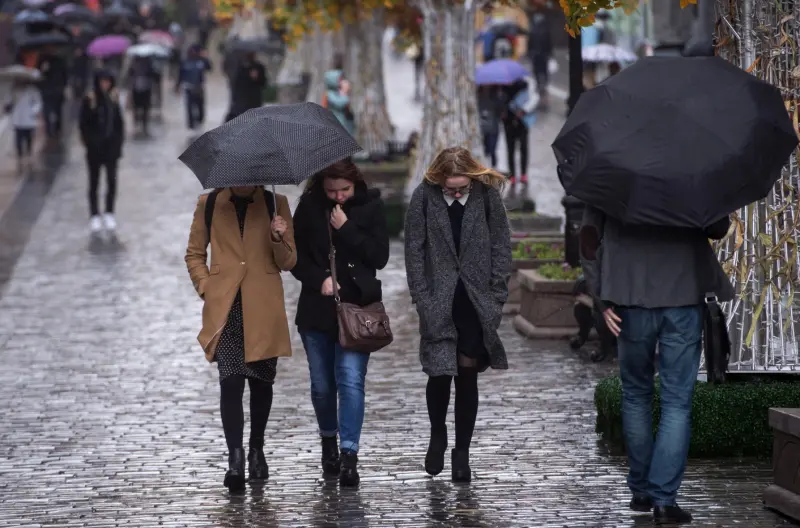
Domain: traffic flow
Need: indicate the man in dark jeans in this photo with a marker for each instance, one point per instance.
(650, 284)
(192, 79)
(540, 51)
(52, 85)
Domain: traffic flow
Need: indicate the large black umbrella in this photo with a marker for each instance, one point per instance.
(675, 141)
(77, 15)
(251, 45)
(40, 40)
(271, 145)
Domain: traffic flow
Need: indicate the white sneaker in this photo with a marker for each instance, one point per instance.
(110, 221)
(96, 224)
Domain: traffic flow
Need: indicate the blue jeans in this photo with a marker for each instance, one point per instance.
(336, 372)
(657, 466)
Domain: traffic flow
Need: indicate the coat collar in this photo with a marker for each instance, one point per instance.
(226, 223)
(473, 213)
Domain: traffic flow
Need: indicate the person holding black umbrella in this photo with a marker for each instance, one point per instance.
(53, 83)
(272, 145)
(702, 139)
(248, 86)
(245, 329)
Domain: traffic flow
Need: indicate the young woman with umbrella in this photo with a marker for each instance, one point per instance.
(282, 144)
(338, 210)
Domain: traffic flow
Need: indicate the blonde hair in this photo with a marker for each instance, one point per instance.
(458, 161)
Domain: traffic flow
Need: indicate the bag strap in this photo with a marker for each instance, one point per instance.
(210, 203)
(332, 259)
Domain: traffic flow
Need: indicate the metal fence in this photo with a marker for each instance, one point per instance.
(762, 36)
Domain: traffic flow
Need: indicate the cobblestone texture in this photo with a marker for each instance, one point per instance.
(110, 414)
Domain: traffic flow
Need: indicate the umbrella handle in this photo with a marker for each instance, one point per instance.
(274, 200)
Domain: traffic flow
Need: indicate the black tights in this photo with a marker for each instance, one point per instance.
(516, 133)
(466, 410)
(231, 392)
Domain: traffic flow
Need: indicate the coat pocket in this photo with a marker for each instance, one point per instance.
(213, 269)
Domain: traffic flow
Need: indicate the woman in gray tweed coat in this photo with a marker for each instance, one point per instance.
(458, 262)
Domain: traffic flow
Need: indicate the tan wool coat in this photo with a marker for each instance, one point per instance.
(253, 263)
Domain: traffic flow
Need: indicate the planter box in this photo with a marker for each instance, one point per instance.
(546, 307)
(390, 178)
(531, 225)
(784, 494)
(514, 286)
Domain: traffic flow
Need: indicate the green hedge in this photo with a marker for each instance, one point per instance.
(727, 420)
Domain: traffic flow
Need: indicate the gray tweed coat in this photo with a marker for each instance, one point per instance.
(433, 268)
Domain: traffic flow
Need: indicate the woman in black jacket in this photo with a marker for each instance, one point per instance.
(337, 207)
(102, 133)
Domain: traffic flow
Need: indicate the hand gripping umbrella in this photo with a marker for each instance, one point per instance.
(678, 142)
(271, 145)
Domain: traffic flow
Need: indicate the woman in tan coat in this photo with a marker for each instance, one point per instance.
(245, 329)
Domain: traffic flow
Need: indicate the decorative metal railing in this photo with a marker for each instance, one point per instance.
(761, 251)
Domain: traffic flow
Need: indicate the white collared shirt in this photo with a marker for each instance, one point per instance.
(451, 199)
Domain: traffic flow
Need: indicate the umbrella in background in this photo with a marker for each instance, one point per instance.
(161, 38)
(40, 40)
(118, 11)
(678, 142)
(70, 13)
(271, 145)
(500, 71)
(108, 46)
(32, 16)
(258, 45)
(607, 53)
(149, 50)
(18, 72)
(35, 4)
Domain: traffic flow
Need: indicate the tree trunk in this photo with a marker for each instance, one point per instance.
(322, 46)
(291, 88)
(368, 101)
(450, 108)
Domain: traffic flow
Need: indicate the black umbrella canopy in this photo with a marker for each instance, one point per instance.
(251, 45)
(78, 15)
(117, 10)
(675, 141)
(41, 40)
(271, 145)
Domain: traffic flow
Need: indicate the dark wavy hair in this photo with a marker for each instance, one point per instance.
(341, 170)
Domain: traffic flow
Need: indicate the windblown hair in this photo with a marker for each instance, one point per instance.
(341, 170)
(458, 161)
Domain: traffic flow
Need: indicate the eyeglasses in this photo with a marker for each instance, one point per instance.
(458, 190)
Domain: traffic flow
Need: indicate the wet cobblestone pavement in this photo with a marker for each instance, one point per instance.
(110, 411)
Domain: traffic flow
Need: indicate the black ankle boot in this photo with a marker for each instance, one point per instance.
(234, 478)
(348, 474)
(437, 447)
(461, 470)
(257, 464)
(671, 515)
(330, 456)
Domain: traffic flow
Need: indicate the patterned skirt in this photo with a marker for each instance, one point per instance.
(230, 350)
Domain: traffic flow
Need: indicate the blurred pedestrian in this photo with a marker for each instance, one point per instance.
(457, 266)
(540, 50)
(205, 25)
(25, 108)
(521, 98)
(338, 210)
(248, 297)
(141, 78)
(337, 98)
(490, 110)
(650, 284)
(102, 129)
(192, 79)
(248, 86)
(79, 73)
(53, 83)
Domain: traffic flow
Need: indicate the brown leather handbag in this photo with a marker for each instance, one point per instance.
(361, 328)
